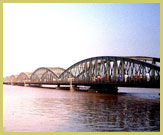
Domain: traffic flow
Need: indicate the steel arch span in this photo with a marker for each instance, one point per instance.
(112, 69)
(24, 76)
(44, 74)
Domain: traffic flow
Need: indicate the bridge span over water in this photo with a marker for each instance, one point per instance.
(103, 73)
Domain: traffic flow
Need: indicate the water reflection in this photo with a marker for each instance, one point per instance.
(59, 110)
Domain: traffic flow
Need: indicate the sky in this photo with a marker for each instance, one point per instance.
(61, 34)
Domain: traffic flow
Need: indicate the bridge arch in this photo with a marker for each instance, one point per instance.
(6, 79)
(11, 79)
(109, 68)
(46, 74)
(24, 76)
(57, 70)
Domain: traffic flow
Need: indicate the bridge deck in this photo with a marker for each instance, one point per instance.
(143, 84)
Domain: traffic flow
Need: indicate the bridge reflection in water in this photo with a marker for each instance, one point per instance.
(104, 73)
(44, 110)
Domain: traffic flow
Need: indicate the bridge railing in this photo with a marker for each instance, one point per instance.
(99, 80)
(111, 79)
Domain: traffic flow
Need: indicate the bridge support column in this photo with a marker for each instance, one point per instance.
(70, 81)
(12, 83)
(71, 89)
(58, 87)
(25, 85)
(111, 89)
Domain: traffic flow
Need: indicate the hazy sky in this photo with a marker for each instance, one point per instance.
(59, 35)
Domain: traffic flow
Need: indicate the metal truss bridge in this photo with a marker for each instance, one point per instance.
(104, 72)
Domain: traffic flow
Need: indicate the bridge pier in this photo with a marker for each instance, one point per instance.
(12, 83)
(71, 86)
(111, 89)
(58, 87)
(25, 85)
(71, 89)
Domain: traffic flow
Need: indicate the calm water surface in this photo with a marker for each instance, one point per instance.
(28, 109)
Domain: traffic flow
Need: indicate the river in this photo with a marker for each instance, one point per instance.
(30, 109)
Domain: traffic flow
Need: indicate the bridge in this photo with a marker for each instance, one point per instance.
(104, 73)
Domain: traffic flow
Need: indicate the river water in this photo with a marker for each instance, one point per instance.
(29, 109)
